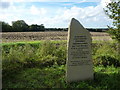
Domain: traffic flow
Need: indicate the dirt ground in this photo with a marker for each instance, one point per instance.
(36, 36)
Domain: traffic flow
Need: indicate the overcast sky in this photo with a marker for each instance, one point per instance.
(55, 13)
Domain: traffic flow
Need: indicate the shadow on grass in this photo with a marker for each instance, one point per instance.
(101, 81)
(55, 78)
(105, 80)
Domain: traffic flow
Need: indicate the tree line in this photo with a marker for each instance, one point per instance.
(21, 26)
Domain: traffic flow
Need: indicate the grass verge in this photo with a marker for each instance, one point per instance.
(42, 65)
(54, 77)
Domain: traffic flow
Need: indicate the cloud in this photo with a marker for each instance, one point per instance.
(84, 15)
(12, 13)
(52, 1)
(90, 16)
(4, 5)
(80, 1)
(35, 0)
(104, 3)
(37, 11)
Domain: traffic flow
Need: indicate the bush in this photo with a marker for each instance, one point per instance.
(53, 52)
(61, 54)
(46, 61)
(50, 53)
(28, 55)
(106, 55)
(17, 56)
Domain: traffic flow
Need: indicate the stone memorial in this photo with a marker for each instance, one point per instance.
(79, 57)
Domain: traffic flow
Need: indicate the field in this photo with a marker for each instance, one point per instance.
(36, 36)
(30, 62)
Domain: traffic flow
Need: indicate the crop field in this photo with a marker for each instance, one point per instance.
(56, 35)
(34, 63)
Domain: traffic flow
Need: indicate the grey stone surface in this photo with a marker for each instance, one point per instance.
(79, 57)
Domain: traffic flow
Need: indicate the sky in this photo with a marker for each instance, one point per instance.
(55, 13)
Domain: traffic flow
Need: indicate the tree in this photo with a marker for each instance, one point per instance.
(35, 27)
(42, 27)
(6, 27)
(113, 11)
(20, 25)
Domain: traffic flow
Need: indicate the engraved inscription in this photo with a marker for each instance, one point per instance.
(78, 63)
(80, 51)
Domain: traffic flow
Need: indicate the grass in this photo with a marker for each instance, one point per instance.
(30, 54)
(53, 41)
(42, 65)
(31, 42)
(19, 55)
(54, 77)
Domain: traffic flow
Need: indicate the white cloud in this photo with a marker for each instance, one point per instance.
(4, 4)
(37, 11)
(35, 0)
(88, 16)
(91, 16)
(51, 0)
(12, 13)
(79, 1)
(104, 3)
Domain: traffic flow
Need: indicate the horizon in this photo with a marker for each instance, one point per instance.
(56, 14)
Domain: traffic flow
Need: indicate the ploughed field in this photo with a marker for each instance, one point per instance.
(56, 35)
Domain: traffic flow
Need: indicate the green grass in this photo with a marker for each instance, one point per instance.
(53, 41)
(44, 53)
(32, 42)
(41, 64)
(54, 77)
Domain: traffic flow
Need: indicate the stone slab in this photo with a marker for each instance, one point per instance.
(79, 55)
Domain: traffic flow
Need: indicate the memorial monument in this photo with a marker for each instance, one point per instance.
(79, 56)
